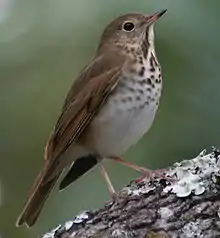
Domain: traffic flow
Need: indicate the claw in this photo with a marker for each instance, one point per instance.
(151, 174)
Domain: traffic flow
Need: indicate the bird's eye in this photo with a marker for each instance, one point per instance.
(128, 26)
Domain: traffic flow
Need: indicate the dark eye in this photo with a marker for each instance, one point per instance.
(128, 26)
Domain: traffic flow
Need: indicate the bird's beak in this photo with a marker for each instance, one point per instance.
(154, 17)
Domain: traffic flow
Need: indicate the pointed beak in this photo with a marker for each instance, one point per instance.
(151, 19)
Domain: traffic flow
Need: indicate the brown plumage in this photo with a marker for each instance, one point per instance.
(80, 106)
(88, 96)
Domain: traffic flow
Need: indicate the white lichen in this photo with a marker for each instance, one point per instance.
(165, 213)
(78, 219)
(187, 177)
(134, 191)
(81, 217)
(218, 213)
(193, 176)
(51, 234)
(121, 232)
(191, 229)
(68, 225)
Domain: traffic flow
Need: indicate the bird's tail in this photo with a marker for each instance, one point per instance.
(38, 195)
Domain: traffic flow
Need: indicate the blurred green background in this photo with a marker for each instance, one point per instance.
(44, 44)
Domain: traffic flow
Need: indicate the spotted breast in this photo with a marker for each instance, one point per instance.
(130, 110)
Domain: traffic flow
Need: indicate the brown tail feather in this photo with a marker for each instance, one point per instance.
(38, 195)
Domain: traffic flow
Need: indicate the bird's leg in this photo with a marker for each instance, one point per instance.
(108, 181)
(147, 173)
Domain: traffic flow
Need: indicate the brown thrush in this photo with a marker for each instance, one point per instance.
(110, 106)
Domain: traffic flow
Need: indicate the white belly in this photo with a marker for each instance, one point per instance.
(128, 113)
(125, 118)
(122, 129)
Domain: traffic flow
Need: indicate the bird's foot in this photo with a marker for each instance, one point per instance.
(150, 174)
(147, 173)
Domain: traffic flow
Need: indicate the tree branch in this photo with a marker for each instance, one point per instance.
(185, 205)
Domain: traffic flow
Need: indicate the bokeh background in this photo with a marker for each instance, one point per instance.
(44, 44)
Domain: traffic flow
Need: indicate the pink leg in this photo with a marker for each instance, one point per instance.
(147, 173)
(107, 179)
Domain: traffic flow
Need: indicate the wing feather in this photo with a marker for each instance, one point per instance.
(80, 107)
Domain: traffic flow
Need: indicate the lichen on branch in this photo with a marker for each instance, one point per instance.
(184, 204)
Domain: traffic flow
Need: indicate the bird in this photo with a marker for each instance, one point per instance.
(110, 106)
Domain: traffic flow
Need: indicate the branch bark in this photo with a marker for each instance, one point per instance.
(186, 204)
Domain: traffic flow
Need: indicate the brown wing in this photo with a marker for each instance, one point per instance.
(83, 101)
